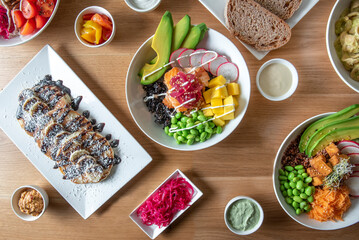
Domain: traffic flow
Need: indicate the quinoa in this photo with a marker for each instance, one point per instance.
(293, 157)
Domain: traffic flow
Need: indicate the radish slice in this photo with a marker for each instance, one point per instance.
(354, 158)
(205, 58)
(175, 55)
(229, 71)
(196, 59)
(353, 184)
(213, 66)
(344, 143)
(184, 58)
(350, 149)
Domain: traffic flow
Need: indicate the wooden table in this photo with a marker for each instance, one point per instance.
(240, 165)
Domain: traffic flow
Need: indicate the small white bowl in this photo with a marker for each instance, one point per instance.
(151, 5)
(250, 231)
(15, 200)
(79, 22)
(293, 87)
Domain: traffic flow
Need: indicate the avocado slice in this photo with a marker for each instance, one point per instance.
(343, 114)
(180, 32)
(161, 44)
(336, 135)
(194, 36)
(350, 122)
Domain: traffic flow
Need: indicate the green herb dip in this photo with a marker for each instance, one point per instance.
(243, 215)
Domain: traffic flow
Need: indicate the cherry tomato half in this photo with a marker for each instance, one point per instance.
(46, 7)
(18, 18)
(28, 28)
(28, 9)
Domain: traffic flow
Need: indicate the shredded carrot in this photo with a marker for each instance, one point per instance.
(330, 204)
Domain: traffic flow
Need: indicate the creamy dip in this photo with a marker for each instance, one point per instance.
(275, 80)
(243, 215)
(143, 4)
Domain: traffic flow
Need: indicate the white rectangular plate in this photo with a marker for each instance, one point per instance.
(84, 198)
(216, 7)
(153, 231)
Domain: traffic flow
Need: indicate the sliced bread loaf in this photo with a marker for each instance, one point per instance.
(255, 25)
(282, 8)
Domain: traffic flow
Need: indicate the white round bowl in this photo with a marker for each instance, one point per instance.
(250, 231)
(338, 66)
(350, 217)
(145, 121)
(79, 23)
(152, 5)
(293, 71)
(23, 39)
(15, 200)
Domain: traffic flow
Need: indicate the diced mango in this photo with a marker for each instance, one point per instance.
(207, 112)
(208, 95)
(233, 89)
(218, 121)
(217, 103)
(220, 92)
(228, 109)
(235, 101)
(218, 81)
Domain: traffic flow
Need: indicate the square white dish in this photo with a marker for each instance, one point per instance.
(84, 198)
(216, 7)
(153, 231)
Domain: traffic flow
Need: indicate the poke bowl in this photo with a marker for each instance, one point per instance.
(304, 217)
(24, 29)
(331, 37)
(212, 41)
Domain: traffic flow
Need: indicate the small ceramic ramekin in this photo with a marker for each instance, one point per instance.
(148, 5)
(79, 23)
(15, 200)
(293, 71)
(249, 231)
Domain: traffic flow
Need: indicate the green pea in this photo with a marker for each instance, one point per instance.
(300, 177)
(211, 125)
(219, 131)
(184, 119)
(209, 136)
(190, 136)
(281, 172)
(206, 124)
(302, 205)
(181, 125)
(290, 176)
(286, 173)
(181, 139)
(190, 120)
(286, 185)
(310, 199)
(289, 168)
(298, 211)
(189, 125)
(295, 192)
(170, 134)
(179, 133)
(167, 129)
(290, 192)
(308, 191)
(285, 194)
(197, 139)
(295, 179)
(301, 171)
(303, 196)
(305, 175)
(202, 118)
(298, 167)
(308, 180)
(282, 177)
(289, 200)
(292, 184)
(299, 185)
(174, 120)
(190, 141)
(178, 115)
(302, 190)
(203, 136)
(297, 199)
(194, 115)
(282, 188)
(307, 208)
(200, 127)
(295, 172)
(209, 130)
(193, 132)
(174, 126)
(185, 133)
(295, 205)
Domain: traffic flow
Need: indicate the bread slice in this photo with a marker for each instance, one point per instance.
(282, 8)
(255, 25)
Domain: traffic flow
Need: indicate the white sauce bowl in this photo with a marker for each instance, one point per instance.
(294, 74)
(143, 5)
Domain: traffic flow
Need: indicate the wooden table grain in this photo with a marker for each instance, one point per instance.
(240, 165)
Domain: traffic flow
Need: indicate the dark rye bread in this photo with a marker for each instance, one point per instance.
(255, 25)
(282, 8)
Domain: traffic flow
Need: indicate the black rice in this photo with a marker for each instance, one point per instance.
(293, 157)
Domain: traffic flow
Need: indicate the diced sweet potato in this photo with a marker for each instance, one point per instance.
(317, 181)
(332, 149)
(318, 163)
(313, 173)
(334, 160)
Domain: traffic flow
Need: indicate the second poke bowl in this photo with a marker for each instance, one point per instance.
(155, 108)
